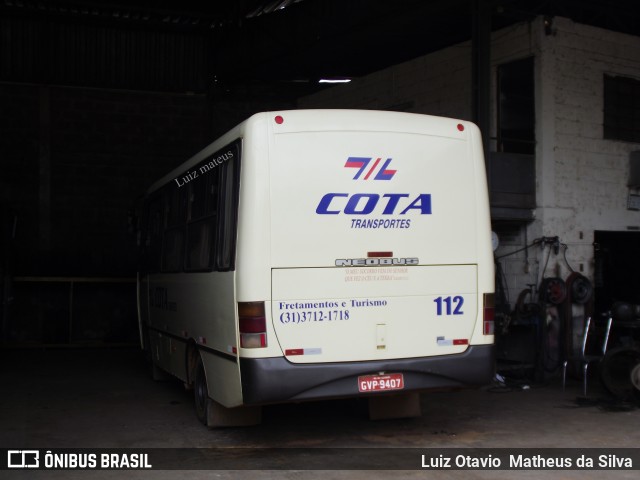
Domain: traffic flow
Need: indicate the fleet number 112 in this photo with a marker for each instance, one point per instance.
(449, 305)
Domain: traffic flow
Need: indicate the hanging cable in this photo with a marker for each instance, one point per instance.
(546, 263)
(564, 254)
(502, 289)
(532, 244)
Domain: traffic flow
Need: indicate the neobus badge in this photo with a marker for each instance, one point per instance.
(366, 262)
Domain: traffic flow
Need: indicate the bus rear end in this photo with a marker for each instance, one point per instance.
(381, 270)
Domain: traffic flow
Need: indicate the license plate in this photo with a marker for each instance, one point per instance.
(381, 383)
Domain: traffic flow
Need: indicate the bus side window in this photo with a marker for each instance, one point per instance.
(192, 227)
(173, 238)
(227, 223)
(153, 234)
(203, 207)
(172, 248)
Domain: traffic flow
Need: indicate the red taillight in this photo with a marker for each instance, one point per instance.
(252, 324)
(489, 312)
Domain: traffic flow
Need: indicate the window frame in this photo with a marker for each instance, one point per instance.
(621, 108)
(223, 184)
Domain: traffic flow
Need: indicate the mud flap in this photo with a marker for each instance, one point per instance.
(219, 416)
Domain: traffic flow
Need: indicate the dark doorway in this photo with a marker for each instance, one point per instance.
(617, 268)
(516, 107)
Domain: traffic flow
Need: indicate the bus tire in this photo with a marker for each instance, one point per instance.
(635, 379)
(201, 393)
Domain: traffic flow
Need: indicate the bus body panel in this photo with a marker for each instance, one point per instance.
(198, 308)
(367, 313)
(262, 378)
(379, 224)
(253, 281)
(340, 195)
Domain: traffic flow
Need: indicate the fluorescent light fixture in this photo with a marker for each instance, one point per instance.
(334, 80)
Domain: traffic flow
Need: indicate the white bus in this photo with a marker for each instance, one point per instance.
(319, 254)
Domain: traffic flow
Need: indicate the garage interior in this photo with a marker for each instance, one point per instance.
(98, 99)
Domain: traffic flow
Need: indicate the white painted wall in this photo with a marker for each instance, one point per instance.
(587, 175)
(581, 178)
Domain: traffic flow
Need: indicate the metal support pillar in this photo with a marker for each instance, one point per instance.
(481, 71)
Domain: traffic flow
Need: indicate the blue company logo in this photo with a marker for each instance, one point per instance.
(366, 203)
(334, 203)
(361, 163)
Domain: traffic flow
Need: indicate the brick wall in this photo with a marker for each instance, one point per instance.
(588, 187)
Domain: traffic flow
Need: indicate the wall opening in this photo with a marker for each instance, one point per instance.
(621, 108)
(617, 268)
(516, 108)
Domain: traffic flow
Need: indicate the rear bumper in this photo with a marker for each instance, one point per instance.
(276, 380)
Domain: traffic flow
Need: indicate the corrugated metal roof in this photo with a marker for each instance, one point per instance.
(59, 52)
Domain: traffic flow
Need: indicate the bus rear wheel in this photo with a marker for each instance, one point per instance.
(201, 393)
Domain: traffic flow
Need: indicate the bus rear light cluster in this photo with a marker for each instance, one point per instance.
(489, 313)
(252, 325)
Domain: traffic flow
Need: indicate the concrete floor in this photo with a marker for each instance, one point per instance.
(104, 398)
